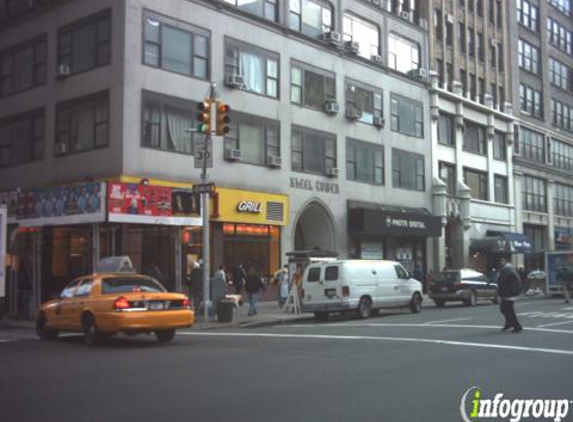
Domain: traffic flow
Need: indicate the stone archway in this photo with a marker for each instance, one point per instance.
(315, 228)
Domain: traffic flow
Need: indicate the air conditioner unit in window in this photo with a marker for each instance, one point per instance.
(376, 58)
(332, 172)
(420, 73)
(332, 37)
(331, 107)
(352, 47)
(379, 122)
(234, 80)
(406, 15)
(274, 161)
(61, 148)
(353, 114)
(233, 154)
(63, 71)
(450, 18)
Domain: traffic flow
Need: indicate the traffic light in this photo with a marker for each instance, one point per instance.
(204, 116)
(223, 118)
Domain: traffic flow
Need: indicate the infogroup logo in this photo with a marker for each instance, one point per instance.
(473, 407)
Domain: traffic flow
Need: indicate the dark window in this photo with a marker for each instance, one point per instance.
(255, 137)
(13, 8)
(331, 274)
(313, 151)
(462, 35)
(562, 155)
(407, 170)
(264, 8)
(563, 6)
(311, 88)
(407, 117)
(559, 36)
(86, 44)
(449, 33)
(560, 75)
(130, 284)
(561, 115)
(364, 162)
(313, 274)
(528, 15)
(448, 176)
(176, 46)
(528, 57)
(480, 47)
(446, 130)
(471, 42)
(563, 200)
(438, 24)
(534, 194)
(530, 101)
(477, 182)
(499, 146)
(312, 18)
(474, 138)
(532, 145)
(22, 138)
(23, 67)
(500, 186)
(401, 272)
(82, 124)
(364, 99)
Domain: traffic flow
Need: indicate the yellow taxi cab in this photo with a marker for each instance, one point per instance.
(104, 304)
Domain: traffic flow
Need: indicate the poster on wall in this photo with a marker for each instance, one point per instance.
(371, 250)
(149, 204)
(62, 205)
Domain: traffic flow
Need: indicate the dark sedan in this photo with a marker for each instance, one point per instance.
(466, 285)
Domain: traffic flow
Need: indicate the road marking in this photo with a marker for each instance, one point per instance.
(447, 320)
(374, 338)
(554, 323)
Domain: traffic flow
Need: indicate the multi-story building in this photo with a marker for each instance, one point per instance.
(543, 97)
(472, 131)
(329, 144)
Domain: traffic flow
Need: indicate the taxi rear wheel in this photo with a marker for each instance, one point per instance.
(43, 331)
(91, 334)
(165, 336)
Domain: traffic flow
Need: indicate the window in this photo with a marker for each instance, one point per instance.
(407, 116)
(532, 145)
(255, 137)
(311, 88)
(477, 182)
(479, 7)
(259, 68)
(313, 274)
(449, 33)
(491, 11)
(462, 37)
(313, 151)
(561, 115)
(403, 54)
(408, 170)
(438, 25)
(560, 75)
(500, 57)
(528, 57)
(264, 8)
(562, 155)
(364, 162)
(471, 42)
(448, 176)
(22, 138)
(331, 273)
(69, 290)
(82, 124)
(480, 47)
(85, 288)
(562, 5)
(366, 34)
(176, 46)
(12, 8)
(23, 67)
(312, 18)
(559, 36)
(499, 13)
(464, 81)
(130, 284)
(470, 6)
(446, 131)
(367, 100)
(166, 121)
(528, 15)
(86, 44)
(499, 146)
(534, 194)
(500, 186)
(530, 101)
(474, 138)
(563, 200)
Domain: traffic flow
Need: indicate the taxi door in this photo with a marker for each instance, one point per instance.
(78, 303)
(62, 307)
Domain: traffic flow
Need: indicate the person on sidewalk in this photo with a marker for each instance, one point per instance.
(218, 288)
(509, 287)
(566, 279)
(239, 278)
(253, 286)
(196, 285)
(283, 286)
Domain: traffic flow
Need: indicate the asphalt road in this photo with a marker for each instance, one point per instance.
(394, 367)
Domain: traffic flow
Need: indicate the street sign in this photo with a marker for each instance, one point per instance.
(202, 153)
(204, 188)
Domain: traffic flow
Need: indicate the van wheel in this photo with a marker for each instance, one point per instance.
(416, 304)
(472, 300)
(364, 308)
(321, 316)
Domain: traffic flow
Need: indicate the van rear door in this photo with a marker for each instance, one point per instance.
(322, 283)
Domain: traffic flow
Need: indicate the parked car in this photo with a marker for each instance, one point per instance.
(104, 304)
(465, 285)
(358, 286)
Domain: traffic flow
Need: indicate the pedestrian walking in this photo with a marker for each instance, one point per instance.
(196, 285)
(239, 278)
(566, 279)
(283, 286)
(218, 287)
(509, 287)
(253, 286)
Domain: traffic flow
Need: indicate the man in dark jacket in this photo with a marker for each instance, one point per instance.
(239, 277)
(253, 286)
(509, 287)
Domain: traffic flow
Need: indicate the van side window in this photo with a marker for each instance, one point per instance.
(400, 271)
(313, 274)
(331, 273)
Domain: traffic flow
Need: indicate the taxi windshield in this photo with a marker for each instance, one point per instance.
(130, 284)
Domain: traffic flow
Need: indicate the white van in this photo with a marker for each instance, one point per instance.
(360, 286)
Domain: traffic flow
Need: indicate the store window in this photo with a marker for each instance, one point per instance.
(500, 186)
(364, 162)
(311, 87)
(534, 194)
(474, 138)
(499, 146)
(176, 46)
(23, 67)
(477, 182)
(82, 124)
(86, 44)
(563, 200)
(448, 176)
(366, 34)
(313, 151)
(403, 54)
(407, 116)
(408, 170)
(22, 138)
(562, 155)
(166, 123)
(365, 99)
(264, 8)
(312, 18)
(532, 145)
(255, 137)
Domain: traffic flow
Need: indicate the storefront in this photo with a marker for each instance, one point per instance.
(486, 252)
(246, 229)
(378, 232)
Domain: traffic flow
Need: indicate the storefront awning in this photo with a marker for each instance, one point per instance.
(503, 242)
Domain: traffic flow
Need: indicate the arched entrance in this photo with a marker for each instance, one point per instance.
(315, 228)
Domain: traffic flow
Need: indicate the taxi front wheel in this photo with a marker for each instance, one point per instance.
(165, 336)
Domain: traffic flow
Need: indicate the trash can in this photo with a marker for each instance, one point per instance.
(225, 310)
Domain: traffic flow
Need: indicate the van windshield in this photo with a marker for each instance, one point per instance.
(449, 277)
